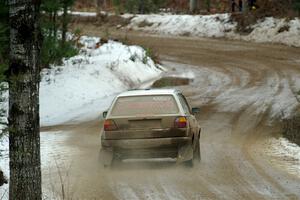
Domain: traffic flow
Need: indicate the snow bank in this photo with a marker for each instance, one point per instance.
(219, 25)
(186, 25)
(276, 31)
(84, 85)
(287, 152)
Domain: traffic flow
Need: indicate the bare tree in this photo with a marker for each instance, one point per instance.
(193, 5)
(101, 5)
(66, 4)
(2, 179)
(23, 76)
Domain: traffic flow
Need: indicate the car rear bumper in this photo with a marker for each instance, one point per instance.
(146, 143)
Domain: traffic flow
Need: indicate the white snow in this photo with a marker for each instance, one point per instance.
(84, 14)
(189, 25)
(84, 85)
(286, 151)
(218, 25)
(268, 30)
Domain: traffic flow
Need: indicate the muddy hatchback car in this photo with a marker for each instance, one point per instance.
(154, 123)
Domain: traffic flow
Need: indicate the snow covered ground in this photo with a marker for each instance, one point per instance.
(287, 152)
(85, 85)
(270, 29)
(218, 25)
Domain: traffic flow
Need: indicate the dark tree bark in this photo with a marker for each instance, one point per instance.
(101, 5)
(193, 5)
(2, 178)
(23, 76)
(64, 23)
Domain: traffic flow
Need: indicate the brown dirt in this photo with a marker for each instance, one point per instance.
(233, 166)
(170, 82)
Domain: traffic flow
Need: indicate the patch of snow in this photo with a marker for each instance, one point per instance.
(189, 25)
(286, 151)
(270, 29)
(83, 14)
(84, 85)
(273, 30)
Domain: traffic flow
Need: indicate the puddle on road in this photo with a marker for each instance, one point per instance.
(171, 81)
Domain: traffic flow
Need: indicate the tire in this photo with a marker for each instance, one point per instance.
(116, 161)
(103, 161)
(197, 152)
(189, 163)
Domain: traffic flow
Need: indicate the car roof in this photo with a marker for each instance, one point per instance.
(149, 92)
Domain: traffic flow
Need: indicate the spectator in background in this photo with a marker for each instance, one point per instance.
(240, 5)
(251, 4)
(233, 4)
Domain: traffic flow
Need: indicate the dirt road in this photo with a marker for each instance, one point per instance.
(241, 88)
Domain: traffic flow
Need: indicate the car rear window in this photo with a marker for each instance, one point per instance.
(145, 105)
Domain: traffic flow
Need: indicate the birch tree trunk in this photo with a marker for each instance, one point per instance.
(23, 74)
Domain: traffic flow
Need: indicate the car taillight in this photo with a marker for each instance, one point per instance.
(180, 122)
(109, 125)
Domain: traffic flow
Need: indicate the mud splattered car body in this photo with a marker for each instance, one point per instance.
(150, 124)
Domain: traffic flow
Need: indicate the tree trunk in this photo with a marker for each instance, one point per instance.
(193, 6)
(99, 2)
(23, 75)
(55, 24)
(2, 178)
(101, 5)
(245, 6)
(64, 23)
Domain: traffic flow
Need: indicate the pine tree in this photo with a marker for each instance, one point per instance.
(65, 20)
(193, 6)
(296, 5)
(23, 76)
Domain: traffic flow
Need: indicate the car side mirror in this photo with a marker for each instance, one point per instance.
(104, 114)
(195, 110)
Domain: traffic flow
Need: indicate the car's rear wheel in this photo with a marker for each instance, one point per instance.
(105, 158)
(189, 163)
(197, 152)
(117, 160)
(196, 155)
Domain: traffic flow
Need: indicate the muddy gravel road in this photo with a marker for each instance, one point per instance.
(242, 89)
